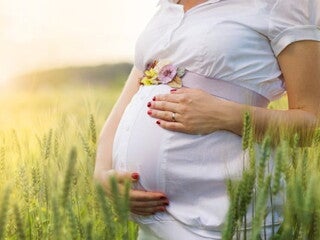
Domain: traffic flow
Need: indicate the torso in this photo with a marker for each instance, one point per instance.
(213, 41)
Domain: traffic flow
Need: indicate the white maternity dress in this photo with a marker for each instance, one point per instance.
(232, 40)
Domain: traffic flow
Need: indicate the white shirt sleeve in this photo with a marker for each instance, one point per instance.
(293, 20)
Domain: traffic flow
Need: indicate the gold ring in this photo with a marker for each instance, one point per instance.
(173, 117)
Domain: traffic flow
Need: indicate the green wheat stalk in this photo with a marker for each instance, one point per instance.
(93, 131)
(48, 143)
(19, 223)
(260, 208)
(89, 231)
(72, 222)
(57, 218)
(4, 212)
(107, 212)
(68, 176)
(266, 148)
(56, 145)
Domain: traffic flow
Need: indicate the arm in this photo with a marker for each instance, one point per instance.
(105, 144)
(198, 112)
(141, 202)
(300, 65)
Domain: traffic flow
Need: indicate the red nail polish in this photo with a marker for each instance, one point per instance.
(149, 104)
(149, 112)
(158, 122)
(135, 176)
(163, 198)
(173, 90)
(154, 98)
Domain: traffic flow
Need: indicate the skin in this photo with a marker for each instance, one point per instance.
(187, 5)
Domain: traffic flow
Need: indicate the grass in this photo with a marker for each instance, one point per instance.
(47, 151)
(48, 142)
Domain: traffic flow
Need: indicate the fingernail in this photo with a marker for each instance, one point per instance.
(154, 98)
(158, 122)
(149, 104)
(135, 176)
(162, 209)
(149, 112)
(163, 198)
(173, 90)
(166, 204)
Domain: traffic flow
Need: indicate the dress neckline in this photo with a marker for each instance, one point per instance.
(176, 2)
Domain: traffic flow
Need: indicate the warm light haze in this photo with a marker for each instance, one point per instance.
(37, 34)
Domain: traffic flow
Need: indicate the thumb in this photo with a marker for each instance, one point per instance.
(127, 176)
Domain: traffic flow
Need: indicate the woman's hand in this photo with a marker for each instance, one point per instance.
(191, 111)
(141, 202)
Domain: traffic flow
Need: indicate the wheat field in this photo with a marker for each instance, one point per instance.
(47, 151)
(48, 142)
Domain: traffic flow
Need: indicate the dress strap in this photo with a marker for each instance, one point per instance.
(224, 89)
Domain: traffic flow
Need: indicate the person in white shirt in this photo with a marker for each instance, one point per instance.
(175, 131)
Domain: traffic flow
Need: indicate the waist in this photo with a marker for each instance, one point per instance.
(224, 89)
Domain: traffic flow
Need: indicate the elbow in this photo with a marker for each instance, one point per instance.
(96, 175)
(307, 129)
(100, 173)
(309, 118)
(312, 120)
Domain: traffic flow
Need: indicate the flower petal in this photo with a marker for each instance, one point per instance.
(181, 71)
(176, 82)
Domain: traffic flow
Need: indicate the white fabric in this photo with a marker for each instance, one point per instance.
(292, 21)
(156, 231)
(231, 40)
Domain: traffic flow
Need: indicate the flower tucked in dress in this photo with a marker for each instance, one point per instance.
(162, 72)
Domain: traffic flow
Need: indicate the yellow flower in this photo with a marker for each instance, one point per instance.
(146, 81)
(151, 73)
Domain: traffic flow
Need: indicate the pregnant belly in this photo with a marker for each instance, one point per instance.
(138, 140)
(167, 160)
(190, 169)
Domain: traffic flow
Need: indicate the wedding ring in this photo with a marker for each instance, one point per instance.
(173, 117)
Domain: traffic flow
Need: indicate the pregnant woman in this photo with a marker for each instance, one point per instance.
(175, 131)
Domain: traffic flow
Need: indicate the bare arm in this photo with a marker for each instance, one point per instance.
(141, 202)
(103, 159)
(300, 65)
(198, 112)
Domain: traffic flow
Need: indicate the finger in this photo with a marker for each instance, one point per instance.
(137, 195)
(183, 90)
(122, 177)
(150, 210)
(167, 97)
(175, 95)
(141, 204)
(164, 115)
(173, 126)
(164, 106)
(141, 213)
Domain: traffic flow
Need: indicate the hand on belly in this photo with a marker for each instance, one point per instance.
(141, 202)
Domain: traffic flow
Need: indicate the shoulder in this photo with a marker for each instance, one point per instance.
(295, 12)
(291, 21)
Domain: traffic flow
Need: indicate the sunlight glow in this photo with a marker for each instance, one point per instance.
(43, 34)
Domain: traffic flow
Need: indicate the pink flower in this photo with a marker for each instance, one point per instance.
(167, 73)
